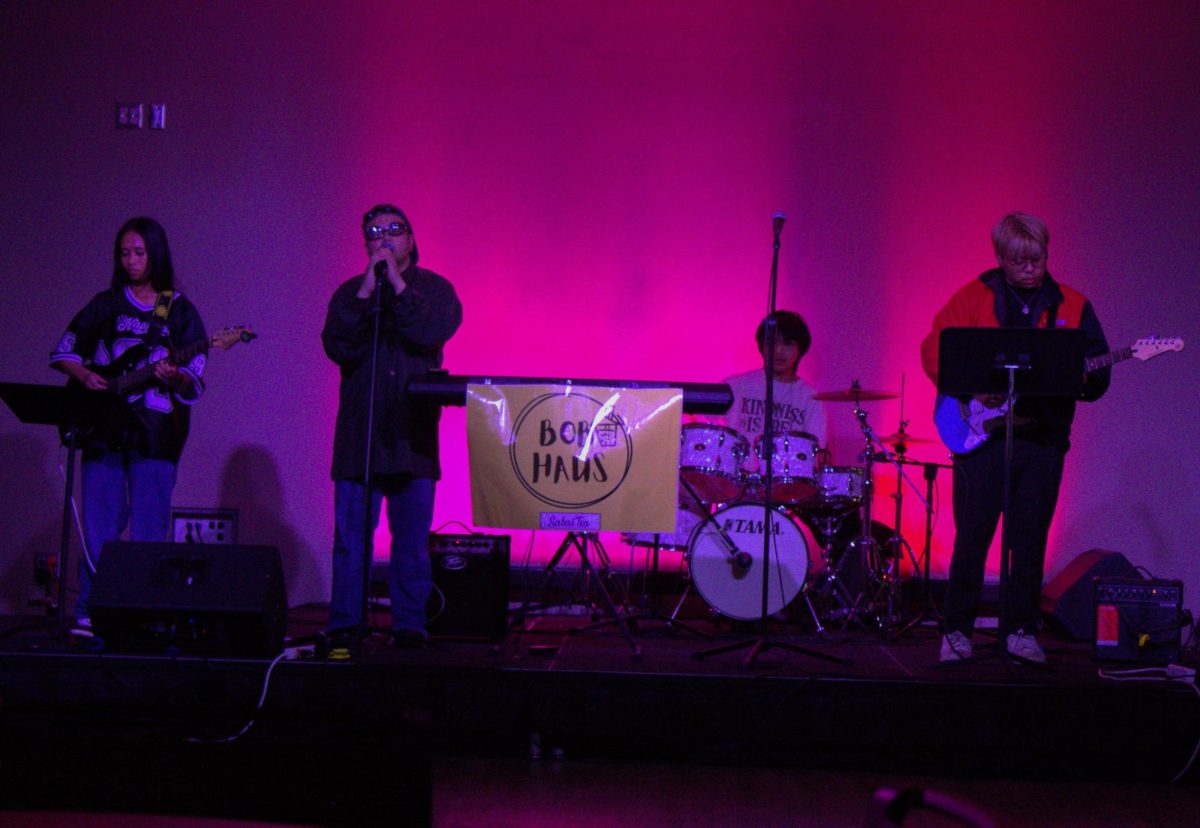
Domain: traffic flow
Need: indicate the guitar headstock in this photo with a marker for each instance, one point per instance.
(228, 337)
(1152, 346)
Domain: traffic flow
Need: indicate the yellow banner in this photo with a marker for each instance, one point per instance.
(574, 458)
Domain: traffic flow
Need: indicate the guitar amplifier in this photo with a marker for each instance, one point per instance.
(471, 574)
(1137, 620)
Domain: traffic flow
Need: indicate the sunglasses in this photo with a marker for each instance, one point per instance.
(375, 232)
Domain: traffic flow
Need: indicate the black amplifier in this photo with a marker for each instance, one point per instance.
(1137, 620)
(470, 578)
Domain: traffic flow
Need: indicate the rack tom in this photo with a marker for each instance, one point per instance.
(711, 459)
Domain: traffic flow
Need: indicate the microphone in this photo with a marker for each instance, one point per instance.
(381, 266)
(777, 221)
(743, 560)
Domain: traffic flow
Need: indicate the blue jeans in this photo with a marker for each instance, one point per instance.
(410, 575)
(120, 489)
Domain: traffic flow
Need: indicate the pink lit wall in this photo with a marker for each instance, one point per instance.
(597, 179)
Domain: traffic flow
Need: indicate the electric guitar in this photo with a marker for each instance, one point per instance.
(964, 424)
(107, 410)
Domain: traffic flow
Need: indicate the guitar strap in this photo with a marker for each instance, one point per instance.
(162, 305)
(162, 309)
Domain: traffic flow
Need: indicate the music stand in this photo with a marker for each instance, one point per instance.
(51, 405)
(1010, 361)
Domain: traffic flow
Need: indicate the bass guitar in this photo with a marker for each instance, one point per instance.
(964, 424)
(130, 373)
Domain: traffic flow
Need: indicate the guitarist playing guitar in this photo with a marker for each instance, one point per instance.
(1020, 293)
(129, 464)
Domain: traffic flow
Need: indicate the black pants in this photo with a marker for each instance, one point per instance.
(978, 502)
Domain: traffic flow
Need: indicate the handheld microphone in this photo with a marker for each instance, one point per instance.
(777, 221)
(743, 560)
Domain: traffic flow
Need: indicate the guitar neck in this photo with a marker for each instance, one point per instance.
(1111, 358)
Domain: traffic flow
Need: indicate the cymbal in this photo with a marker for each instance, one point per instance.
(901, 437)
(855, 395)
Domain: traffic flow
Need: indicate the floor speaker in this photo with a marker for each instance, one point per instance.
(471, 576)
(1067, 599)
(221, 599)
(1137, 620)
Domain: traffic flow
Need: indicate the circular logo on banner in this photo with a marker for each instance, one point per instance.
(570, 450)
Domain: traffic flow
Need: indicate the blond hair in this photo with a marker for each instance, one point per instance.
(1020, 236)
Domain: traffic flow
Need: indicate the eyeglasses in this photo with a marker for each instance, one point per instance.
(375, 232)
(1022, 264)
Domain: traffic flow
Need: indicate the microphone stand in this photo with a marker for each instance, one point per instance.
(763, 642)
(368, 552)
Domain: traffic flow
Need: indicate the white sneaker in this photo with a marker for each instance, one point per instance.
(1025, 646)
(955, 647)
(82, 627)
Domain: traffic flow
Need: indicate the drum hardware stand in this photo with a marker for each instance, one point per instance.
(764, 642)
(829, 582)
(580, 541)
(877, 580)
(928, 609)
(897, 545)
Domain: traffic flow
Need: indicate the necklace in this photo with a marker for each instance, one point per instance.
(1024, 305)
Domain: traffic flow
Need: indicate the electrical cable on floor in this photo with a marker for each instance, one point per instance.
(262, 698)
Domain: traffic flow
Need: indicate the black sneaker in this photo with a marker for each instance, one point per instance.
(408, 639)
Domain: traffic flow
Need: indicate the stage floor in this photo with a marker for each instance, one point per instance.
(548, 694)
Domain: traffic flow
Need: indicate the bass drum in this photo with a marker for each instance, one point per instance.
(730, 579)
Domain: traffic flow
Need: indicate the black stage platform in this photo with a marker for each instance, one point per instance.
(334, 727)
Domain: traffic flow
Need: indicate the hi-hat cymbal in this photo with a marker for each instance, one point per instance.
(903, 438)
(855, 395)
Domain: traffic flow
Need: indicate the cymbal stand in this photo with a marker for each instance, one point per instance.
(897, 546)
(928, 609)
(887, 574)
(864, 545)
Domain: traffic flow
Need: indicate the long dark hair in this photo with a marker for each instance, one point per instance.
(162, 273)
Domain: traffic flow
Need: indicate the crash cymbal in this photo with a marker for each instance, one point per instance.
(903, 438)
(855, 395)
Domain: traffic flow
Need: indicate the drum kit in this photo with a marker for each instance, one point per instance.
(815, 507)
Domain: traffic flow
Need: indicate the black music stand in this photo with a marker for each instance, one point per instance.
(52, 405)
(1010, 361)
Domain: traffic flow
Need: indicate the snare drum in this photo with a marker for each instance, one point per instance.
(710, 460)
(838, 487)
(735, 590)
(792, 461)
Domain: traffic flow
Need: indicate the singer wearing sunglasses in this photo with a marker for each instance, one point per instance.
(418, 311)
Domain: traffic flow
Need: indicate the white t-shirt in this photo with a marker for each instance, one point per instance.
(795, 408)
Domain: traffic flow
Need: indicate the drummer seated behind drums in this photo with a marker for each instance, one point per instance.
(795, 408)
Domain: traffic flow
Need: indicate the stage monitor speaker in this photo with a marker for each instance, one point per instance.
(471, 574)
(221, 599)
(1068, 597)
(1137, 620)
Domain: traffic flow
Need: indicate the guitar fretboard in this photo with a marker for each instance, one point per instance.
(1112, 357)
